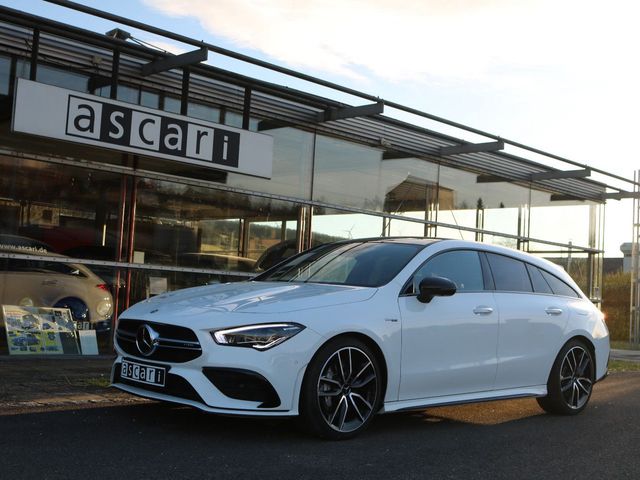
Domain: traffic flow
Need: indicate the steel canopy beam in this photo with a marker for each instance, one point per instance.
(264, 125)
(492, 179)
(472, 148)
(393, 155)
(175, 61)
(620, 195)
(351, 112)
(557, 197)
(556, 174)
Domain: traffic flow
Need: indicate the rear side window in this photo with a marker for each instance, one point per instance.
(509, 274)
(558, 286)
(540, 285)
(462, 267)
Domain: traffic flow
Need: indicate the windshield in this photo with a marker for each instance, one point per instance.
(362, 264)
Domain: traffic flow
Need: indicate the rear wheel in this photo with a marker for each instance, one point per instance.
(342, 389)
(571, 380)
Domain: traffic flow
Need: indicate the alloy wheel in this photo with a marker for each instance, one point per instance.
(347, 389)
(576, 377)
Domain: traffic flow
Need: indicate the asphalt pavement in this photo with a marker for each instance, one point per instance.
(57, 434)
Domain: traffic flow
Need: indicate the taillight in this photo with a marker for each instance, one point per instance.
(103, 286)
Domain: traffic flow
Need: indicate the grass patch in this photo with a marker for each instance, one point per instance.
(623, 345)
(97, 382)
(623, 366)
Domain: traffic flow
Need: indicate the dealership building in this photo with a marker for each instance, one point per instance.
(129, 170)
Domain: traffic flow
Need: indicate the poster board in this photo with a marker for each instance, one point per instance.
(39, 331)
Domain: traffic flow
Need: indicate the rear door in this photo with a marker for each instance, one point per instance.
(532, 321)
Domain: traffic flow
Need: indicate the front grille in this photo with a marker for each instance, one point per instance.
(174, 385)
(243, 385)
(176, 344)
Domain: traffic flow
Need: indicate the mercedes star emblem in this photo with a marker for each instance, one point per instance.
(147, 340)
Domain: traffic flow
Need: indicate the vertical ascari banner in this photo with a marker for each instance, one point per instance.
(55, 112)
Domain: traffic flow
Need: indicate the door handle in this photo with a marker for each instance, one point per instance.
(554, 311)
(482, 310)
(49, 282)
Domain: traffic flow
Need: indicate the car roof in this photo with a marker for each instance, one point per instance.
(406, 240)
(8, 241)
(456, 243)
(28, 251)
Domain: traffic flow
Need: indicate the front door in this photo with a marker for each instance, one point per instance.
(449, 344)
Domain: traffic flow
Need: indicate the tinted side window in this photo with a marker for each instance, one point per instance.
(509, 274)
(558, 286)
(540, 285)
(460, 266)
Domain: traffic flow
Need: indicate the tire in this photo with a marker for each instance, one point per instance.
(571, 380)
(342, 389)
(79, 309)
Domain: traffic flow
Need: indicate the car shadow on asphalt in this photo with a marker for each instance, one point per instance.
(178, 421)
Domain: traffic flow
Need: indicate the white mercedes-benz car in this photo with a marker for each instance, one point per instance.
(346, 330)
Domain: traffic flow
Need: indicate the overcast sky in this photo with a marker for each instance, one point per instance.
(562, 75)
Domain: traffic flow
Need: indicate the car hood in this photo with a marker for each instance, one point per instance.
(246, 297)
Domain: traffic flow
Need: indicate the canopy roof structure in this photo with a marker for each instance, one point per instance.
(117, 58)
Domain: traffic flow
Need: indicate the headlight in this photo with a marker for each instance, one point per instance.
(260, 337)
(104, 308)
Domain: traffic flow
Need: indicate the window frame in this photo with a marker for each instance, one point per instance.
(576, 294)
(487, 279)
(523, 262)
(529, 265)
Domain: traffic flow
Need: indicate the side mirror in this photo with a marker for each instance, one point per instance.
(435, 287)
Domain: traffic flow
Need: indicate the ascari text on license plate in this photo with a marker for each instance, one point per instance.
(142, 373)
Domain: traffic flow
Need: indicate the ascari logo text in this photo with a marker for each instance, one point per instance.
(128, 127)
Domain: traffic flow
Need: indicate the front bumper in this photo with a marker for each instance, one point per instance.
(230, 380)
(602, 351)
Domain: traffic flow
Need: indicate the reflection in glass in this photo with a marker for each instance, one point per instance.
(5, 71)
(195, 227)
(149, 99)
(23, 69)
(62, 78)
(203, 112)
(292, 159)
(172, 104)
(562, 222)
(233, 119)
(73, 212)
(348, 174)
(332, 225)
(71, 208)
(471, 200)
(461, 267)
(369, 264)
(128, 94)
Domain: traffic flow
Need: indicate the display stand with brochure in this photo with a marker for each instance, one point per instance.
(45, 331)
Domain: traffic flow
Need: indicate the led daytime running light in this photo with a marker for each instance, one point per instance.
(260, 337)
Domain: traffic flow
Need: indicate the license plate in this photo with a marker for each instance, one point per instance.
(142, 373)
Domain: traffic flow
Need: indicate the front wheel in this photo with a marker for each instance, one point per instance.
(571, 380)
(342, 389)
(79, 309)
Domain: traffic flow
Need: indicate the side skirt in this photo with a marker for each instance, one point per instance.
(489, 396)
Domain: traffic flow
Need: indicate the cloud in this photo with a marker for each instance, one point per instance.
(418, 40)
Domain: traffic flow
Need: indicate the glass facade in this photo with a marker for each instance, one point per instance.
(93, 231)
